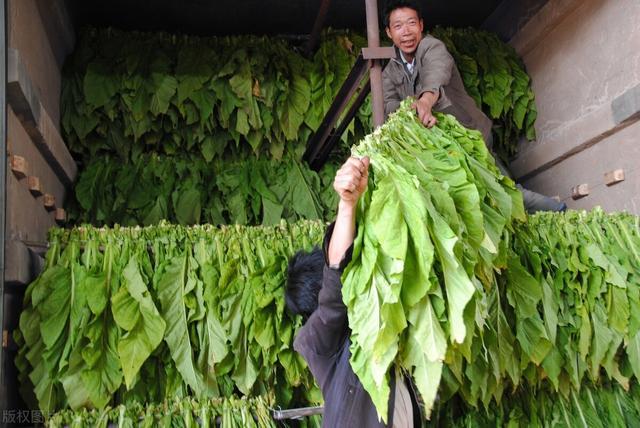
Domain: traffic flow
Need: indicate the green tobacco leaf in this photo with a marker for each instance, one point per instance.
(303, 197)
(162, 90)
(100, 84)
(90, 185)
(103, 374)
(425, 351)
(526, 292)
(188, 207)
(294, 106)
(633, 352)
(172, 288)
(134, 311)
(55, 309)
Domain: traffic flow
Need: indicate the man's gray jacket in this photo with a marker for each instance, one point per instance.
(435, 71)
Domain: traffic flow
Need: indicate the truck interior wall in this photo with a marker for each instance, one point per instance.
(583, 56)
(39, 37)
(584, 60)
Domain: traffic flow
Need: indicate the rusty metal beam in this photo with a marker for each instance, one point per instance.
(348, 89)
(317, 27)
(336, 134)
(375, 72)
(327, 135)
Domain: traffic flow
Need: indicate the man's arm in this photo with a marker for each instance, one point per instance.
(325, 329)
(436, 65)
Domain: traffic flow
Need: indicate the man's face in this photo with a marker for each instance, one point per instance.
(405, 30)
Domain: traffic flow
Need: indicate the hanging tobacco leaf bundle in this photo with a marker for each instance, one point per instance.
(145, 314)
(433, 229)
(450, 284)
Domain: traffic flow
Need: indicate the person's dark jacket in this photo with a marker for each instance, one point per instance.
(435, 70)
(324, 343)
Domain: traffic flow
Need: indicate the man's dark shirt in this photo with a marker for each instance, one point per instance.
(324, 343)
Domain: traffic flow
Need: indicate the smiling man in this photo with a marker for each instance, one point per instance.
(423, 68)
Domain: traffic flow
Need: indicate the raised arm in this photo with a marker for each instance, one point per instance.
(325, 330)
(351, 180)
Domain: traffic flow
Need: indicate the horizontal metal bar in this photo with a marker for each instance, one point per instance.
(300, 413)
(387, 52)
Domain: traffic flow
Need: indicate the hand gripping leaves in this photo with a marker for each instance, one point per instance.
(431, 231)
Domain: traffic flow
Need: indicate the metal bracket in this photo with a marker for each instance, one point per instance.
(327, 134)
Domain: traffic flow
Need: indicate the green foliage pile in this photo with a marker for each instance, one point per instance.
(187, 412)
(447, 285)
(188, 190)
(196, 130)
(496, 79)
(594, 406)
(434, 223)
(132, 92)
(545, 333)
(147, 314)
(581, 275)
(131, 96)
(562, 315)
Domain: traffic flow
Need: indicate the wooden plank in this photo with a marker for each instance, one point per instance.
(23, 263)
(23, 98)
(378, 53)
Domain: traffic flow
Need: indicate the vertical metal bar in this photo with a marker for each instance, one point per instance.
(375, 72)
(3, 163)
(317, 27)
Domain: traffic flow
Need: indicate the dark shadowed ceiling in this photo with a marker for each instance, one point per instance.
(215, 17)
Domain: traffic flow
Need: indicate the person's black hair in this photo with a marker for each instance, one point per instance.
(304, 280)
(392, 5)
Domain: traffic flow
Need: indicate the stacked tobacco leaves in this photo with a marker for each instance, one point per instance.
(145, 314)
(169, 127)
(434, 225)
(223, 412)
(188, 190)
(133, 104)
(447, 283)
(496, 79)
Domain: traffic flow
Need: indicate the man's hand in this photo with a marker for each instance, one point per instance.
(423, 106)
(351, 180)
